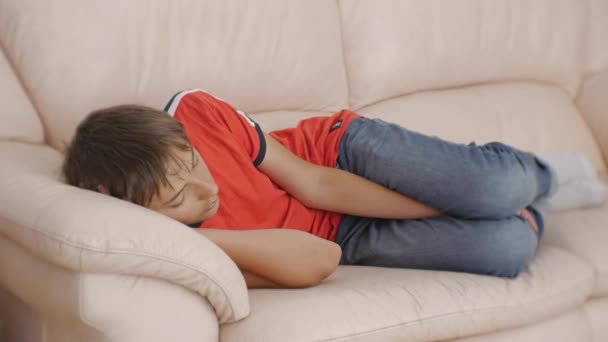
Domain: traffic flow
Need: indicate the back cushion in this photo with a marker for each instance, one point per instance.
(530, 116)
(19, 119)
(395, 47)
(263, 55)
(597, 37)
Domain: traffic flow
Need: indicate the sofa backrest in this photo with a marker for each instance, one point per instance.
(597, 37)
(394, 47)
(494, 70)
(259, 55)
(20, 121)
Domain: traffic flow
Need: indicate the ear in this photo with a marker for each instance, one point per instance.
(102, 189)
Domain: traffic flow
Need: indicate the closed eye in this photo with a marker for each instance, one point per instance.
(195, 162)
(178, 204)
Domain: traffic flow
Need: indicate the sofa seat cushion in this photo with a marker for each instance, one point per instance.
(583, 232)
(384, 304)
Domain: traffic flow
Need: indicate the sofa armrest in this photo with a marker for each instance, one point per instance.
(89, 232)
(592, 101)
(51, 303)
(145, 309)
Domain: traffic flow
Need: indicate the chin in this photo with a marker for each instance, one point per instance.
(209, 215)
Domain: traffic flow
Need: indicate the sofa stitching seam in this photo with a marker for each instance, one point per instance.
(487, 310)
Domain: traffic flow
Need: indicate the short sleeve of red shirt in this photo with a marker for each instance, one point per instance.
(198, 106)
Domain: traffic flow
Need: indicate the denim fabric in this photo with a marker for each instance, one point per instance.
(480, 188)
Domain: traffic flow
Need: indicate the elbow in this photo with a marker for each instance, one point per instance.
(330, 259)
(327, 261)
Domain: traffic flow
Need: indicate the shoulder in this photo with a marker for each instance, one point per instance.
(196, 97)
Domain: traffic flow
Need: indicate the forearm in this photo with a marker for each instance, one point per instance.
(348, 193)
(254, 281)
(287, 257)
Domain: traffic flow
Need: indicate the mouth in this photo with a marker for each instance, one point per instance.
(211, 205)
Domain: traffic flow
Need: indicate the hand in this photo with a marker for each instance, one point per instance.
(525, 213)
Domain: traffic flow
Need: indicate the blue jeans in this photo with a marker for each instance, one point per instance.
(478, 188)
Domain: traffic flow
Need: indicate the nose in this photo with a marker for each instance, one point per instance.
(207, 188)
(213, 189)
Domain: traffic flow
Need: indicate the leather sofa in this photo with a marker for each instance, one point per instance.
(80, 266)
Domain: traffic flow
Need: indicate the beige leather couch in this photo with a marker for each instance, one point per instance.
(79, 266)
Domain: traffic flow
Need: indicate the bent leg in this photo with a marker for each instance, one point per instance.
(499, 247)
(467, 181)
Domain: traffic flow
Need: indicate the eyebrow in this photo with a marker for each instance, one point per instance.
(185, 186)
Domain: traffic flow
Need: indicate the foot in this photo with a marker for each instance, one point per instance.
(569, 166)
(526, 214)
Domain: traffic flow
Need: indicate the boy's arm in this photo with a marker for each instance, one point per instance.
(337, 190)
(285, 257)
(254, 281)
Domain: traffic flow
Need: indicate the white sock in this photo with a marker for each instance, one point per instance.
(582, 193)
(569, 166)
(578, 183)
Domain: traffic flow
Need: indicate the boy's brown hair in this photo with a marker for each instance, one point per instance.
(126, 149)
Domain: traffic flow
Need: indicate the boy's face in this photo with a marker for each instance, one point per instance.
(191, 195)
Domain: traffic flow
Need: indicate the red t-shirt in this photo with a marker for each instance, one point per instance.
(233, 145)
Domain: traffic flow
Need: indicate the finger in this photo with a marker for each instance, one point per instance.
(525, 214)
(531, 220)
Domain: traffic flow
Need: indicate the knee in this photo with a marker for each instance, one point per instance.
(496, 195)
(500, 193)
(513, 250)
(501, 182)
